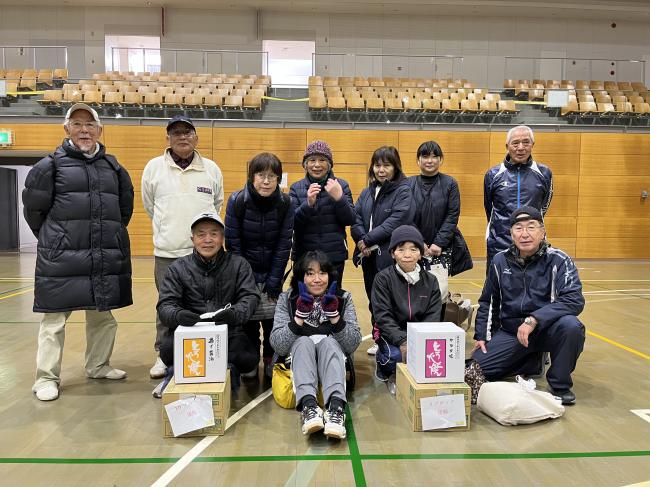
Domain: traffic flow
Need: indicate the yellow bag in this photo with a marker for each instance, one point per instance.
(282, 386)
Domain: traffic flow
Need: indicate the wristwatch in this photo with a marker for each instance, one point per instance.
(530, 321)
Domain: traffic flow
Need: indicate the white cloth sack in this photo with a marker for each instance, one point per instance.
(441, 273)
(511, 403)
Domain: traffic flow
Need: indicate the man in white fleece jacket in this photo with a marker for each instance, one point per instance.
(175, 187)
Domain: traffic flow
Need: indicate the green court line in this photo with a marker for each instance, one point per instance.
(329, 458)
(355, 457)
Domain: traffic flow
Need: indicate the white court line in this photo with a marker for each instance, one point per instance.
(364, 338)
(186, 459)
(617, 290)
(644, 414)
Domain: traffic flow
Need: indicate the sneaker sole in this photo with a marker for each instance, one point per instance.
(313, 428)
(336, 435)
(157, 375)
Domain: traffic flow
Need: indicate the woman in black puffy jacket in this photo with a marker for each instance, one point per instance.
(383, 206)
(259, 226)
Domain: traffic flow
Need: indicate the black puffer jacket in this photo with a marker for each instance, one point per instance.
(395, 302)
(79, 208)
(193, 284)
(389, 209)
(321, 227)
(437, 209)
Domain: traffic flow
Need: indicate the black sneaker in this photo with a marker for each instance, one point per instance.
(312, 419)
(335, 423)
(567, 396)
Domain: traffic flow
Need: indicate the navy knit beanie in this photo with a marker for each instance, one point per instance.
(406, 233)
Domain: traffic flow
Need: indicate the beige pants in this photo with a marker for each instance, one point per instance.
(100, 337)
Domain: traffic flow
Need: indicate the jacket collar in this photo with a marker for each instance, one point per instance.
(73, 151)
(512, 165)
(197, 161)
(513, 254)
(209, 265)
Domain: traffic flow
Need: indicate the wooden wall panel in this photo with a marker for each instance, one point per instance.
(633, 247)
(129, 136)
(615, 144)
(614, 186)
(268, 140)
(37, 136)
(363, 141)
(597, 176)
(597, 227)
(615, 165)
(449, 141)
(613, 207)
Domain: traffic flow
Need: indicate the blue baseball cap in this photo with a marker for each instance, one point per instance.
(180, 119)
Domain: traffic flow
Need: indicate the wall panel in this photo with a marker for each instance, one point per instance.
(596, 212)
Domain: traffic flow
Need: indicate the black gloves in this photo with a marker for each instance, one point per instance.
(186, 318)
(227, 316)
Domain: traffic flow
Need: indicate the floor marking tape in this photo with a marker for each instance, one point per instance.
(17, 294)
(619, 345)
(186, 459)
(644, 414)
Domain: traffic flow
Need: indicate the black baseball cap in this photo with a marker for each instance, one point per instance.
(180, 119)
(526, 213)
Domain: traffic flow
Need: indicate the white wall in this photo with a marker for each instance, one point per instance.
(483, 42)
(25, 235)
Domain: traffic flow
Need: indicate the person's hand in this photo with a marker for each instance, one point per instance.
(361, 245)
(524, 331)
(226, 316)
(305, 303)
(403, 350)
(330, 303)
(334, 189)
(479, 344)
(435, 250)
(366, 252)
(312, 193)
(272, 293)
(185, 317)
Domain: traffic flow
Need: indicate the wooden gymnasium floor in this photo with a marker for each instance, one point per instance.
(109, 433)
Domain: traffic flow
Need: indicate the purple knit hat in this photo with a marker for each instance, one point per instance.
(318, 147)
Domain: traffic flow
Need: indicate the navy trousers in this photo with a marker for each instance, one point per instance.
(564, 340)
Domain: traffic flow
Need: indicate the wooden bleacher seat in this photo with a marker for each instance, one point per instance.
(570, 109)
(374, 104)
(450, 106)
(507, 107)
(233, 102)
(624, 108)
(252, 102)
(489, 107)
(412, 104)
(93, 98)
(52, 98)
(72, 96)
(193, 101)
(356, 104)
(132, 99)
(113, 98)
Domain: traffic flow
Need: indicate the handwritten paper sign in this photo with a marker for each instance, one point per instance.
(441, 412)
(190, 414)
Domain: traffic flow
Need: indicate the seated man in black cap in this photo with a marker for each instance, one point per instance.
(208, 280)
(530, 303)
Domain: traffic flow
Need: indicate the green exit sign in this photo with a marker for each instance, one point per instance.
(6, 137)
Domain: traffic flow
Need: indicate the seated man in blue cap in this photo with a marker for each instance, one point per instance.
(208, 280)
(529, 304)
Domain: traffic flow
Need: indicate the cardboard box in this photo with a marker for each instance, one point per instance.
(436, 352)
(218, 391)
(200, 353)
(410, 392)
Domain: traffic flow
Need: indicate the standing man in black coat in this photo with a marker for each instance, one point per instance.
(78, 202)
(323, 207)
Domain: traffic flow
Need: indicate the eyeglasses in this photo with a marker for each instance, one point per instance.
(524, 143)
(77, 125)
(529, 228)
(319, 161)
(181, 133)
(271, 178)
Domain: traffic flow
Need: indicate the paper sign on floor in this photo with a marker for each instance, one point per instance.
(443, 412)
(190, 414)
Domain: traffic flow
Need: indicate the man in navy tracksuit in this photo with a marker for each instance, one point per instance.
(517, 181)
(530, 303)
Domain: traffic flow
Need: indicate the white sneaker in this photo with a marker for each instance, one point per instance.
(373, 350)
(158, 370)
(312, 419)
(50, 392)
(112, 374)
(335, 423)
(250, 375)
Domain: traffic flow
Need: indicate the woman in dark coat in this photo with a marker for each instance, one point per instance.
(259, 226)
(383, 206)
(436, 198)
